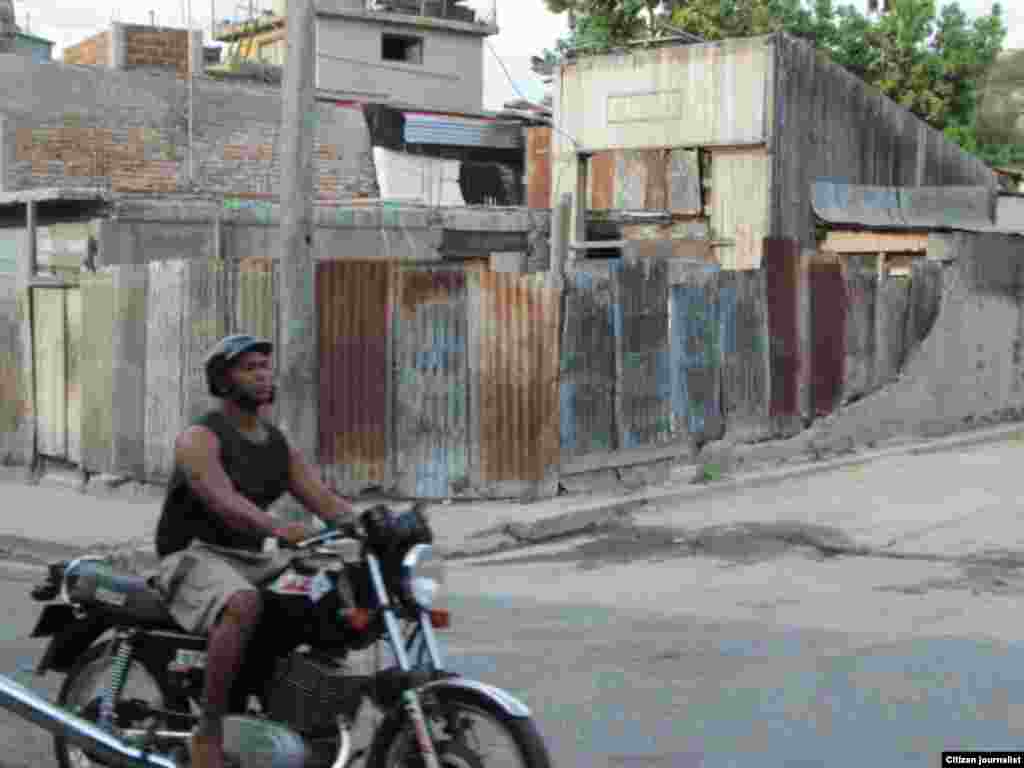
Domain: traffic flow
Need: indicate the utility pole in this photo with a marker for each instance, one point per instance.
(297, 331)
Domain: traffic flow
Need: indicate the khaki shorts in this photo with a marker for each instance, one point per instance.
(199, 581)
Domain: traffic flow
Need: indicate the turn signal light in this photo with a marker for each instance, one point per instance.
(440, 618)
(358, 619)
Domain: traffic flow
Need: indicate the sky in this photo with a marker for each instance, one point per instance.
(526, 27)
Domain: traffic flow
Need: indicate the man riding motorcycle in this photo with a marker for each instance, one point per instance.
(230, 466)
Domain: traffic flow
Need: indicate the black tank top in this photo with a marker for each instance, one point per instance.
(259, 471)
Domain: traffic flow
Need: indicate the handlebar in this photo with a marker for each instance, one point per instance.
(347, 531)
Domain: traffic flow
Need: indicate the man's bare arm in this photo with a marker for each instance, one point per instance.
(197, 452)
(305, 486)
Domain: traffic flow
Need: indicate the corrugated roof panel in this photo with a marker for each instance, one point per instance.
(458, 132)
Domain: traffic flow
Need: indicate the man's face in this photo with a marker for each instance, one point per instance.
(254, 375)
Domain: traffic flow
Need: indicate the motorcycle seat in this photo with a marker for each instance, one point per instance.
(123, 596)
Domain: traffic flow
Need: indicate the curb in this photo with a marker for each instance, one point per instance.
(749, 480)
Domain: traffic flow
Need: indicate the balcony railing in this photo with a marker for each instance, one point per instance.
(451, 10)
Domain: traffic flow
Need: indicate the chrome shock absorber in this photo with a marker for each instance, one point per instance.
(118, 677)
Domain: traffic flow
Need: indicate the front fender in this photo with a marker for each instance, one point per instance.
(463, 687)
(506, 701)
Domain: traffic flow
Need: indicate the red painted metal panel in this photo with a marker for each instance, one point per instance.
(829, 304)
(353, 302)
(782, 266)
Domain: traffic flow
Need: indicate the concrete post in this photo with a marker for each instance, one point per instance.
(118, 53)
(583, 163)
(198, 56)
(3, 154)
(560, 235)
(297, 306)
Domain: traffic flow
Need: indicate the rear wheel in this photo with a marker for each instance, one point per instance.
(460, 722)
(83, 689)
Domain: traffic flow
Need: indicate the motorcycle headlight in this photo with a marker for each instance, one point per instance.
(423, 576)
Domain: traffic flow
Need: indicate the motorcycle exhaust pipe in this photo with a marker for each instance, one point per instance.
(81, 733)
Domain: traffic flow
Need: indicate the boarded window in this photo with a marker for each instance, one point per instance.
(402, 48)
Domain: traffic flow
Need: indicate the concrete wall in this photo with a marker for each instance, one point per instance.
(350, 62)
(969, 369)
(145, 231)
(128, 132)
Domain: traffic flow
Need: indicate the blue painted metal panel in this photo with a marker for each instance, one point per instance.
(567, 414)
(696, 353)
(432, 476)
(615, 320)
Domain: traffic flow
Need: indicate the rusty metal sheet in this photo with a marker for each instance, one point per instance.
(50, 354)
(601, 180)
(828, 328)
(129, 369)
(204, 317)
(98, 317)
(165, 353)
(656, 170)
(782, 268)
(432, 367)
(743, 318)
(518, 392)
(862, 291)
(640, 316)
(588, 367)
(538, 185)
(353, 298)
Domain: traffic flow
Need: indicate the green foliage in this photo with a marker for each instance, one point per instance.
(932, 61)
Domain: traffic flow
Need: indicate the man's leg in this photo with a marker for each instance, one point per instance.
(228, 640)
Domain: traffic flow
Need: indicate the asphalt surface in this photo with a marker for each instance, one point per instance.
(869, 616)
(616, 683)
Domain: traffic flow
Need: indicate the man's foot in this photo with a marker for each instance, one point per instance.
(207, 751)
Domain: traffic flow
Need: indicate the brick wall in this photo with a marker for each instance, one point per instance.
(128, 132)
(94, 51)
(150, 47)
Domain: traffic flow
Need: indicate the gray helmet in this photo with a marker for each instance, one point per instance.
(224, 354)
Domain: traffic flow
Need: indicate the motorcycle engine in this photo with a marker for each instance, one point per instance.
(309, 693)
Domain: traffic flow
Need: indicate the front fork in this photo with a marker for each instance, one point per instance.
(410, 699)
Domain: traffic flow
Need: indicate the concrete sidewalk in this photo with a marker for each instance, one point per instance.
(903, 519)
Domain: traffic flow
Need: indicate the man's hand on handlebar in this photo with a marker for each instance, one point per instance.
(293, 534)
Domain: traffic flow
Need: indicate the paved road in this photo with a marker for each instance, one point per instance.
(621, 684)
(635, 651)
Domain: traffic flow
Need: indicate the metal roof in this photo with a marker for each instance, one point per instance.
(965, 208)
(53, 194)
(422, 128)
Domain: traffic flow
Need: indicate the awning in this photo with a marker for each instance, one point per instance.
(424, 128)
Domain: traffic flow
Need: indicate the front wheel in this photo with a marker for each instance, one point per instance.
(460, 721)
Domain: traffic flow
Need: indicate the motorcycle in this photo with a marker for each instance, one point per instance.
(295, 700)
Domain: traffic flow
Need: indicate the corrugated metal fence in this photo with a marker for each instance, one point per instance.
(445, 380)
